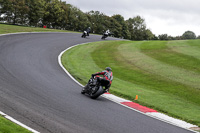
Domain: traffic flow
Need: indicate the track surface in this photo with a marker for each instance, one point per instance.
(35, 90)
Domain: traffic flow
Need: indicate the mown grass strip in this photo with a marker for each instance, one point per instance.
(160, 84)
(188, 59)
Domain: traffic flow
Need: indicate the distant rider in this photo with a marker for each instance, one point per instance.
(88, 31)
(107, 32)
(107, 78)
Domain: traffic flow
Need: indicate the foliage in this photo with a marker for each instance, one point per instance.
(163, 37)
(189, 35)
(15, 11)
(58, 14)
(138, 30)
(99, 21)
(123, 25)
(36, 12)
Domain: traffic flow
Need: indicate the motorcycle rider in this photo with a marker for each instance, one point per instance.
(107, 32)
(107, 78)
(88, 31)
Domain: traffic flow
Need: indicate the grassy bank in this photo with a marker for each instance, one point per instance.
(164, 74)
(5, 28)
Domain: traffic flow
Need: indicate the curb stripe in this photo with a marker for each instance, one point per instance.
(150, 112)
(138, 107)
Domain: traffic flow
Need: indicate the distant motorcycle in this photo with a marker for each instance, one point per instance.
(84, 34)
(106, 34)
(93, 88)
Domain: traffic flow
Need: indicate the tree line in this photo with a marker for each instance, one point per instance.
(58, 14)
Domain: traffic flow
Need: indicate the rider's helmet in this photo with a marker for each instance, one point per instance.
(108, 69)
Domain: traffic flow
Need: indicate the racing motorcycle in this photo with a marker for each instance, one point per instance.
(84, 34)
(105, 35)
(93, 88)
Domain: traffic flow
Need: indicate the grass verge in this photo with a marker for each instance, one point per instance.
(6, 28)
(161, 73)
(7, 126)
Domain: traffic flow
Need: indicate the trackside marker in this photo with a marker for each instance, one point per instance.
(136, 97)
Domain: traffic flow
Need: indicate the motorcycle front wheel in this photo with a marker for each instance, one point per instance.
(84, 89)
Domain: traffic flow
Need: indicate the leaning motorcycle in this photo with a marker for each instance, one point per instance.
(84, 34)
(105, 35)
(93, 88)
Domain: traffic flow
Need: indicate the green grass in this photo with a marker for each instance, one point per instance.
(164, 74)
(5, 28)
(9, 127)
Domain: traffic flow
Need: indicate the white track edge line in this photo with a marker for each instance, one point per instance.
(7, 116)
(147, 114)
(17, 122)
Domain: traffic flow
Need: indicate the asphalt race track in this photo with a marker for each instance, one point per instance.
(37, 92)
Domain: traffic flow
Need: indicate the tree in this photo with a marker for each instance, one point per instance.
(99, 21)
(198, 37)
(189, 35)
(149, 35)
(8, 9)
(155, 37)
(15, 11)
(115, 27)
(77, 20)
(178, 38)
(36, 11)
(22, 12)
(53, 14)
(124, 27)
(65, 19)
(137, 29)
(163, 37)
